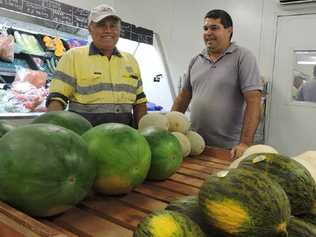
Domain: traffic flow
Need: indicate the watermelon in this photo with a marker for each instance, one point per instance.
(123, 157)
(243, 202)
(168, 224)
(291, 175)
(66, 119)
(299, 228)
(44, 169)
(5, 127)
(189, 206)
(166, 153)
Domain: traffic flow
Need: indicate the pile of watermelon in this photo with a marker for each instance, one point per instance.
(264, 194)
(51, 164)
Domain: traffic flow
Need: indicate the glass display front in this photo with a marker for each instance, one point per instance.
(304, 76)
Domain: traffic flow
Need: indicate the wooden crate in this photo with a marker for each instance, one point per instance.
(116, 216)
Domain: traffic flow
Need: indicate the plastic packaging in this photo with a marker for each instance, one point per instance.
(7, 47)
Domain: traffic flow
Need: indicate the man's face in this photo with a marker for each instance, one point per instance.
(216, 37)
(105, 33)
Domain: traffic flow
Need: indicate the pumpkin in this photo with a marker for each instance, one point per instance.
(168, 224)
(244, 202)
(299, 228)
(291, 175)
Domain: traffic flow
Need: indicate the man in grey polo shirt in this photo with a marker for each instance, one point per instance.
(224, 88)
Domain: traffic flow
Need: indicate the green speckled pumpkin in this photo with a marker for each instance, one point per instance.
(299, 228)
(168, 224)
(244, 202)
(294, 178)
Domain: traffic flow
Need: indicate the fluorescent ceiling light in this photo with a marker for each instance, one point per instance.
(307, 62)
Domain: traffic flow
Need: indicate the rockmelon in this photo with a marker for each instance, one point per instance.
(259, 148)
(244, 202)
(154, 120)
(168, 224)
(184, 142)
(197, 143)
(178, 122)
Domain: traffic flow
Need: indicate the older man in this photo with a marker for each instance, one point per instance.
(98, 81)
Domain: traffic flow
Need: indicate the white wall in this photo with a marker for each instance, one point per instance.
(179, 24)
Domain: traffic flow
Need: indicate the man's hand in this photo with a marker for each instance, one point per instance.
(238, 150)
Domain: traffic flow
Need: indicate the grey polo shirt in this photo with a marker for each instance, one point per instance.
(217, 104)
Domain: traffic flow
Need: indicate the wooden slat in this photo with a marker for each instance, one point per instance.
(85, 224)
(53, 225)
(219, 153)
(187, 180)
(143, 203)
(158, 193)
(175, 187)
(6, 231)
(25, 224)
(115, 216)
(205, 163)
(214, 160)
(116, 211)
(192, 173)
(199, 168)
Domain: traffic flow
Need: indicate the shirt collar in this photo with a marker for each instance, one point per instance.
(93, 50)
(232, 47)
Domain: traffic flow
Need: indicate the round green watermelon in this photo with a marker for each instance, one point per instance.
(123, 157)
(168, 224)
(166, 153)
(44, 169)
(66, 119)
(293, 177)
(5, 127)
(243, 202)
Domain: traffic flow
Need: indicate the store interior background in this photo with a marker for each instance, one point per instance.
(179, 26)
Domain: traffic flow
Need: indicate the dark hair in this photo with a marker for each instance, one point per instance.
(225, 18)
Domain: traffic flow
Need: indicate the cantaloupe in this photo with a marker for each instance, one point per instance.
(259, 148)
(197, 143)
(178, 122)
(184, 142)
(154, 120)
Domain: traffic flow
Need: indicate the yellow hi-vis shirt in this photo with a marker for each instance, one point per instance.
(92, 83)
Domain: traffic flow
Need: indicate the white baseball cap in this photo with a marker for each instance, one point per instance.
(100, 12)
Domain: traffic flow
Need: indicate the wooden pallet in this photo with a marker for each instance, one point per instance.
(117, 216)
